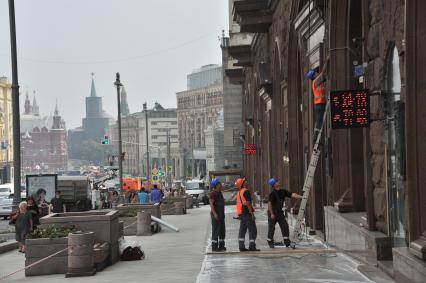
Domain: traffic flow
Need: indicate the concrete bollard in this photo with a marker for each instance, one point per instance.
(179, 208)
(80, 254)
(189, 202)
(143, 224)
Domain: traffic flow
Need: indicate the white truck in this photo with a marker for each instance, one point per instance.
(197, 189)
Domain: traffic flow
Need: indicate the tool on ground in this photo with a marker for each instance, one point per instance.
(309, 179)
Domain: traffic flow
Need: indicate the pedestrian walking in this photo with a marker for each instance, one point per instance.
(245, 212)
(115, 199)
(23, 225)
(57, 204)
(156, 194)
(32, 208)
(217, 205)
(143, 196)
(276, 213)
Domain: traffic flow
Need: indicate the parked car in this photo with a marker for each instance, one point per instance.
(6, 190)
(5, 207)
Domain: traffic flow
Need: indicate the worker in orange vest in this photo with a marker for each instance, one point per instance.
(245, 212)
(320, 96)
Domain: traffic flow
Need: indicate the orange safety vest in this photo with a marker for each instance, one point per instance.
(240, 200)
(319, 93)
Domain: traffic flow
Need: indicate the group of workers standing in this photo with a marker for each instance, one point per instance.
(277, 196)
(245, 214)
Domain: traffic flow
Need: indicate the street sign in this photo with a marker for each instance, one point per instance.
(249, 149)
(350, 109)
(154, 176)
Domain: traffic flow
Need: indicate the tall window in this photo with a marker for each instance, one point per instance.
(236, 136)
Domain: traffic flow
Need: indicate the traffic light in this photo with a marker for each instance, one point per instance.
(105, 140)
(123, 156)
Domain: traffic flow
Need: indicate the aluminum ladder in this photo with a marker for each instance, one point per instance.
(309, 180)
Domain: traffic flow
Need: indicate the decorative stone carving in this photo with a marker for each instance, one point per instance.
(373, 42)
(376, 8)
(380, 204)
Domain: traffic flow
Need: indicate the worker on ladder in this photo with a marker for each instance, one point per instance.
(217, 205)
(276, 214)
(320, 96)
(245, 212)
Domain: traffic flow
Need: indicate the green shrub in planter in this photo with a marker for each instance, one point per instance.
(52, 232)
(133, 212)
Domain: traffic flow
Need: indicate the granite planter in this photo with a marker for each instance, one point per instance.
(128, 229)
(168, 205)
(151, 208)
(104, 224)
(41, 248)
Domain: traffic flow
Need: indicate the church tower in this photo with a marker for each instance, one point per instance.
(35, 108)
(27, 106)
(57, 119)
(96, 121)
(93, 102)
(124, 105)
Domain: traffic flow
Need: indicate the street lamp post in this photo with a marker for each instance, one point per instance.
(120, 150)
(145, 109)
(15, 108)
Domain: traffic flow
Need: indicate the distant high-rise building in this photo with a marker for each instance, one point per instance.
(197, 109)
(205, 76)
(161, 123)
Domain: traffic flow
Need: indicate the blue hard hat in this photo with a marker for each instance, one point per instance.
(272, 182)
(214, 182)
(311, 74)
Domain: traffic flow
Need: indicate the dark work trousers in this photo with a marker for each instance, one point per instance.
(246, 222)
(280, 219)
(319, 115)
(218, 229)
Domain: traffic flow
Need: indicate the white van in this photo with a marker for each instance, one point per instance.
(6, 190)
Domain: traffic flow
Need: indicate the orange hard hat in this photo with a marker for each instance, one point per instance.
(240, 182)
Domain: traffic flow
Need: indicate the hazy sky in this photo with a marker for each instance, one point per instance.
(154, 44)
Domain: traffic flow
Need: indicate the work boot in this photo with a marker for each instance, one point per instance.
(252, 247)
(242, 247)
(287, 242)
(222, 246)
(215, 247)
(271, 244)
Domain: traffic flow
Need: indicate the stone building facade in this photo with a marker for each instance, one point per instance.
(6, 130)
(162, 124)
(196, 110)
(371, 174)
(44, 146)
